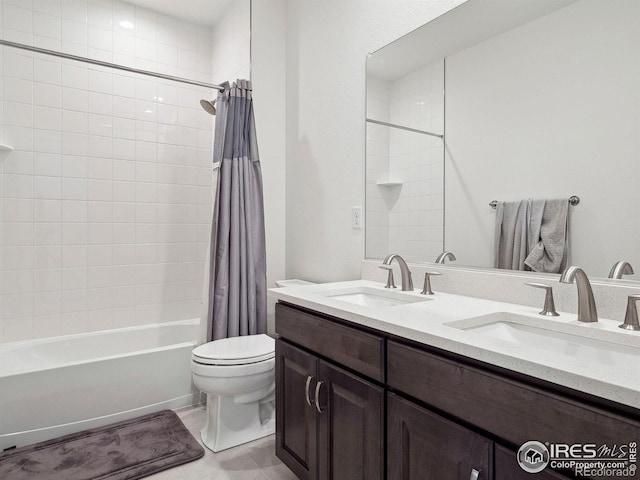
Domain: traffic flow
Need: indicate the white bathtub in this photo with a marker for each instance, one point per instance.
(61, 385)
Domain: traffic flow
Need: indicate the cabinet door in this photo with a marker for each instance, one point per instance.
(350, 426)
(295, 420)
(424, 446)
(507, 468)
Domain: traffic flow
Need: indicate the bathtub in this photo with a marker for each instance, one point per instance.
(62, 385)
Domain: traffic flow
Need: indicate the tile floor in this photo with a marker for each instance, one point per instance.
(251, 461)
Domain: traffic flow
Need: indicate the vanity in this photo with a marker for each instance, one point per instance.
(472, 383)
(412, 387)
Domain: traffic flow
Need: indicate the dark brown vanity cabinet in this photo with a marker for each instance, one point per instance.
(446, 416)
(296, 431)
(511, 411)
(329, 421)
(425, 446)
(350, 426)
(422, 445)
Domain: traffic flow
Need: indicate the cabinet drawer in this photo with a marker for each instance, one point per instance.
(510, 410)
(359, 351)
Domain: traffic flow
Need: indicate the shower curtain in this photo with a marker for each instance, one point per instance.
(237, 287)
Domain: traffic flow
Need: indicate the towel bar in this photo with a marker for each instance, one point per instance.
(573, 201)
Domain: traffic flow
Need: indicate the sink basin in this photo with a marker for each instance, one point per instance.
(373, 297)
(608, 348)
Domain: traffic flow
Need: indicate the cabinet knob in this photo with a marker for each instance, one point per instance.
(306, 390)
(318, 385)
(475, 474)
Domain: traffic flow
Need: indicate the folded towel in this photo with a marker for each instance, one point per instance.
(511, 235)
(548, 245)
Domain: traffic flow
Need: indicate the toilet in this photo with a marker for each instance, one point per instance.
(237, 374)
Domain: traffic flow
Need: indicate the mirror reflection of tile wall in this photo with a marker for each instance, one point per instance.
(405, 168)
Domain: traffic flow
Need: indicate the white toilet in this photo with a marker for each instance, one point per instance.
(237, 374)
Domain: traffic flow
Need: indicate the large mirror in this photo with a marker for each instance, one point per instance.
(533, 99)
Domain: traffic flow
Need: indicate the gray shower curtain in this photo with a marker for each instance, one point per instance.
(237, 288)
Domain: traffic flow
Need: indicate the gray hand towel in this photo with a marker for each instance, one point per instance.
(548, 245)
(511, 235)
(535, 222)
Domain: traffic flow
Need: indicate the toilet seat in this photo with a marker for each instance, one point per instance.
(235, 351)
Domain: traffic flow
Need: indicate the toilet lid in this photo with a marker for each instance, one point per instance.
(235, 350)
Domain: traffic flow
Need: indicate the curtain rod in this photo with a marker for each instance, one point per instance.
(110, 65)
(573, 201)
(415, 130)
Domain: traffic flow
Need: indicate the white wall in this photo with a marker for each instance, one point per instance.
(106, 201)
(231, 43)
(549, 110)
(268, 61)
(327, 43)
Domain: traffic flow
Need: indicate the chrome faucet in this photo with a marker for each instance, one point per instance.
(586, 303)
(444, 255)
(621, 268)
(407, 283)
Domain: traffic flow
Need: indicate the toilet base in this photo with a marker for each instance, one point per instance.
(230, 424)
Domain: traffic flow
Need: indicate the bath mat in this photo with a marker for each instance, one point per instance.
(122, 451)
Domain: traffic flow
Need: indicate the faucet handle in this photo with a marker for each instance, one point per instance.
(631, 317)
(549, 306)
(390, 282)
(426, 289)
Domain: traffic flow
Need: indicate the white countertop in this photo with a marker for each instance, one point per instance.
(426, 322)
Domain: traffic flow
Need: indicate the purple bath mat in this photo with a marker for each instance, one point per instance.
(125, 450)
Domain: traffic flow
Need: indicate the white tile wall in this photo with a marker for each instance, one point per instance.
(406, 219)
(105, 204)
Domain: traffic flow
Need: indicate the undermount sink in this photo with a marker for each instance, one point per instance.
(548, 336)
(373, 297)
